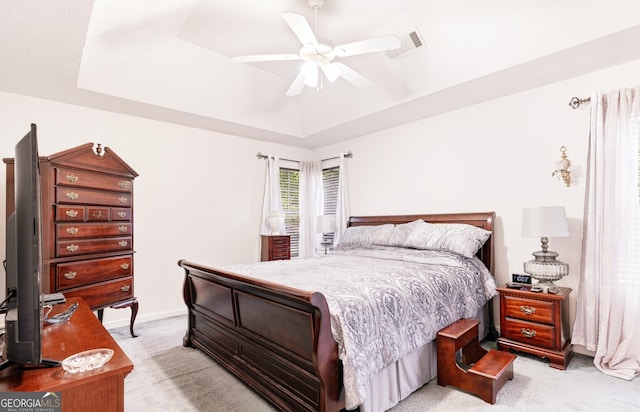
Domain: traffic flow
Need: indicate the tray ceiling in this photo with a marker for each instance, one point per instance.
(169, 60)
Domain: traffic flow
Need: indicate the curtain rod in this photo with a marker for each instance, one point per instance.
(576, 102)
(348, 155)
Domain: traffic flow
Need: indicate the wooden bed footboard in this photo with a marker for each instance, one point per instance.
(275, 339)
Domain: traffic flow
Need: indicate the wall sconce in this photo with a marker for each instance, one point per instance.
(562, 168)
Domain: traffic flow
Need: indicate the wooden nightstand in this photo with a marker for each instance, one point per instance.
(536, 323)
(275, 247)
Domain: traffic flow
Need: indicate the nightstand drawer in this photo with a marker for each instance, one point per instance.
(531, 333)
(280, 241)
(279, 254)
(529, 309)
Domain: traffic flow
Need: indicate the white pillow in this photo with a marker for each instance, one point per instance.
(394, 235)
(458, 238)
(360, 236)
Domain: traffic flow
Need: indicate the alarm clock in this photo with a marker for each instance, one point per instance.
(522, 279)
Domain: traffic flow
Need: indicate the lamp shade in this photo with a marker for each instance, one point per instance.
(545, 221)
(326, 224)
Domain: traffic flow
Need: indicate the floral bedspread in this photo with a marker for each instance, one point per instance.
(385, 302)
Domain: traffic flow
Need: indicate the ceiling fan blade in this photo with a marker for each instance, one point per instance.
(300, 27)
(368, 46)
(353, 76)
(297, 85)
(264, 58)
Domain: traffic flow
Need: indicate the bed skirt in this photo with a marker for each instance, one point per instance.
(399, 380)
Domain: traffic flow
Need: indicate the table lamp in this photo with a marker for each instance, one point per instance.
(325, 224)
(545, 222)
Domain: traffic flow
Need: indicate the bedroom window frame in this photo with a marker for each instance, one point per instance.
(290, 194)
(330, 180)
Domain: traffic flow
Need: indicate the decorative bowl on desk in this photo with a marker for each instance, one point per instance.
(87, 360)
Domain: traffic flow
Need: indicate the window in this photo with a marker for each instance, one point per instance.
(330, 187)
(290, 193)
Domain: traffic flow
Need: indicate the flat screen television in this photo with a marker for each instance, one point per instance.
(23, 264)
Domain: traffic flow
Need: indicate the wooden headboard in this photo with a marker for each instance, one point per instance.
(479, 219)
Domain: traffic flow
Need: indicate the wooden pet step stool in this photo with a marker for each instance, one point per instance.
(489, 370)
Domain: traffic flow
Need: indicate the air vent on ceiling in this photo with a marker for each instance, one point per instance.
(409, 42)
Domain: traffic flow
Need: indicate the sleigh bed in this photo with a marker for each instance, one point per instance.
(273, 329)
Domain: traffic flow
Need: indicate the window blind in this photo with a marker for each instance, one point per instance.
(330, 178)
(290, 194)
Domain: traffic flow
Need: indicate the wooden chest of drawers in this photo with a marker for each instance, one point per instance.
(536, 323)
(87, 219)
(275, 247)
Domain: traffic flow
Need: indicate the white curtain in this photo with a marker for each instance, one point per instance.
(342, 208)
(608, 302)
(272, 201)
(311, 200)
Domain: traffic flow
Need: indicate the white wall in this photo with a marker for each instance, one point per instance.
(495, 156)
(198, 196)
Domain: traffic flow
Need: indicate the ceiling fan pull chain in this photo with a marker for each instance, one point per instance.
(315, 23)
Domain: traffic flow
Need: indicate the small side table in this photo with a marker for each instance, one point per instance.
(275, 247)
(536, 323)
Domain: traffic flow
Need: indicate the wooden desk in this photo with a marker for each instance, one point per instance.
(98, 390)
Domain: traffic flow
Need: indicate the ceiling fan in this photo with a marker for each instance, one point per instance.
(318, 57)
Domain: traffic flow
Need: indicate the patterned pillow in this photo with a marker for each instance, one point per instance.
(462, 239)
(394, 235)
(360, 236)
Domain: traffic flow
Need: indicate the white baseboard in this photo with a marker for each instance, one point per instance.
(139, 319)
(146, 318)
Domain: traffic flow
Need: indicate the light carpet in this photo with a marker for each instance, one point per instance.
(170, 377)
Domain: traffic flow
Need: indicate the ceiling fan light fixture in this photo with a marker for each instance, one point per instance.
(318, 56)
(330, 71)
(310, 70)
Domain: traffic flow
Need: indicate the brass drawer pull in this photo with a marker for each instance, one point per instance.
(124, 266)
(529, 333)
(125, 288)
(123, 184)
(71, 213)
(527, 310)
(72, 178)
(123, 243)
(123, 199)
(122, 228)
(98, 214)
(70, 275)
(72, 195)
(72, 230)
(122, 214)
(72, 248)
